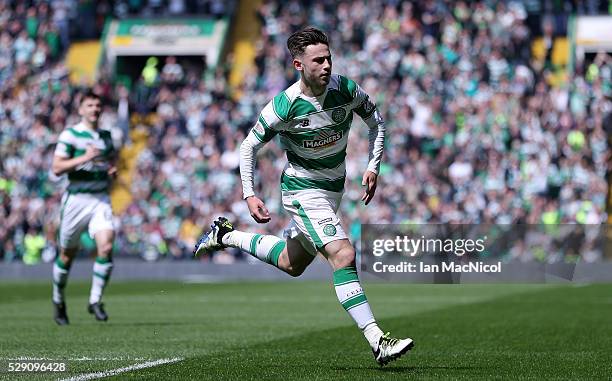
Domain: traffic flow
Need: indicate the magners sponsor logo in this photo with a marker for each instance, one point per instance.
(324, 140)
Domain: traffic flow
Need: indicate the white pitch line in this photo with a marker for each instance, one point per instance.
(25, 358)
(114, 372)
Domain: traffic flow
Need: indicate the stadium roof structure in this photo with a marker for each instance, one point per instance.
(592, 34)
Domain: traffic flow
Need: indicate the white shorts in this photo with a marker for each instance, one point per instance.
(80, 211)
(314, 220)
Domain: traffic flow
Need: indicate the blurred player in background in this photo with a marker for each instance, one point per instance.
(86, 154)
(313, 118)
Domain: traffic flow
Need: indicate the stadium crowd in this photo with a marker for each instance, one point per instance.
(479, 130)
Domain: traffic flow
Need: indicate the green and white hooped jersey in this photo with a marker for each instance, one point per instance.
(314, 133)
(90, 177)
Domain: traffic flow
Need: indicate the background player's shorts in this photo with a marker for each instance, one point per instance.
(82, 211)
(314, 220)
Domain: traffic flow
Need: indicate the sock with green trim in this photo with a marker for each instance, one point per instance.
(266, 248)
(60, 278)
(102, 269)
(351, 296)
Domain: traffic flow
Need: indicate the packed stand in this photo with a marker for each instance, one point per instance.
(478, 133)
(37, 102)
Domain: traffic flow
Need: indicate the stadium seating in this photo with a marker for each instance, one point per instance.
(480, 133)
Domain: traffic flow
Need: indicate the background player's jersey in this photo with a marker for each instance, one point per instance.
(314, 132)
(91, 177)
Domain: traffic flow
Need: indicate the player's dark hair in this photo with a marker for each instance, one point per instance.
(89, 94)
(298, 41)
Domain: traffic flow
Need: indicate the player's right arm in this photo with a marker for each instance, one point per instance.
(368, 112)
(263, 131)
(63, 160)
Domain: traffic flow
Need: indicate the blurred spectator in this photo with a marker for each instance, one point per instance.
(172, 72)
(34, 243)
(150, 73)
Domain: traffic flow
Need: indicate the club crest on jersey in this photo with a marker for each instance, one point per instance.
(329, 230)
(338, 115)
(324, 139)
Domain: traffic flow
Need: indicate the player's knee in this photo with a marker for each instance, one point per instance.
(295, 270)
(345, 257)
(66, 260)
(105, 249)
(67, 255)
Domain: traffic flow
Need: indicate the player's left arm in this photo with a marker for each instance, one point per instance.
(368, 111)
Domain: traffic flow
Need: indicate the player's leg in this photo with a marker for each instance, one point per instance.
(102, 269)
(61, 269)
(101, 229)
(295, 258)
(72, 224)
(341, 257)
(287, 255)
(315, 214)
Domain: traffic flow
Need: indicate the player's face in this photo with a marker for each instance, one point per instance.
(315, 65)
(90, 110)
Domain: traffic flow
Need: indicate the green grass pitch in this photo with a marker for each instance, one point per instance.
(297, 330)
